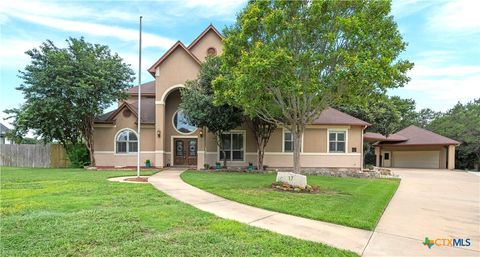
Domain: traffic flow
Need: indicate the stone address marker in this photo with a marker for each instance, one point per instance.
(292, 179)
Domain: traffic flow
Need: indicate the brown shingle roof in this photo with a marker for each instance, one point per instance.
(420, 136)
(374, 137)
(331, 116)
(148, 111)
(147, 89)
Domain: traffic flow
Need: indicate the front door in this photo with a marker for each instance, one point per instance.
(386, 159)
(185, 151)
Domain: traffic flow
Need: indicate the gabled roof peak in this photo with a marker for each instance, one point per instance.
(168, 53)
(205, 31)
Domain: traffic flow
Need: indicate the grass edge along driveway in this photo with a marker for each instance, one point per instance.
(73, 212)
(353, 202)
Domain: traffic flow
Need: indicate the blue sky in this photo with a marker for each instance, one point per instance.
(443, 38)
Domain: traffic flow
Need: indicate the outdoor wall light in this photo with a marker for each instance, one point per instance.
(201, 133)
(159, 133)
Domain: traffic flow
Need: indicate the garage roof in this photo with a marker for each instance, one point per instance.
(374, 137)
(419, 136)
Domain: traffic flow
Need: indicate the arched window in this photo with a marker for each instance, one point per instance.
(126, 142)
(181, 124)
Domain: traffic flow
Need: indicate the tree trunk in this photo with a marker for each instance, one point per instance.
(219, 144)
(91, 152)
(297, 146)
(224, 159)
(262, 131)
(89, 143)
(88, 137)
(260, 154)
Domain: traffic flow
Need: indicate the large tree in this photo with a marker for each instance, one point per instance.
(462, 123)
(286, 61)
(199, 108)
(425, 116)
(387, 114)
(66, 88)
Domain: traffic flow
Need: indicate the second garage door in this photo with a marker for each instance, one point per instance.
(416, 159)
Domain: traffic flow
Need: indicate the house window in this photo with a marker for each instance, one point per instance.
(211, 51)
(181, 124)
(126, 142)
(386, 156)
(336, 141)
(287, 141)
(233, 146)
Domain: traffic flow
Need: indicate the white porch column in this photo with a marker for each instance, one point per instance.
(159, 130)
(377, 156)
(451, 157)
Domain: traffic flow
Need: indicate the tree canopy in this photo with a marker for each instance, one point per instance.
(66, 88)
(286, 61)
(199, 108)
(462, 123)
(387, 114)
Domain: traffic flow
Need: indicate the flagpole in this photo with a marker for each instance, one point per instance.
(139, 114)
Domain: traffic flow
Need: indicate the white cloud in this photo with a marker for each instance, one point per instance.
(458, 16)
(149, 40)
(445, 85)
(403, 8)
(64, 18)
(12, 51)
(64, 9)
(451, 71)
(214, 8)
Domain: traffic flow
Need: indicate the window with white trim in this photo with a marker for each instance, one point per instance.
(287, 141)
(336, 141)
(126, 142)
(233, 146)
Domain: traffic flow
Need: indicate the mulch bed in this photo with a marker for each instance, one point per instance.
(285, 187)
(138, 179)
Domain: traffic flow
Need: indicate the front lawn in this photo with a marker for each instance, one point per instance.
(347, 201)
(71, 212)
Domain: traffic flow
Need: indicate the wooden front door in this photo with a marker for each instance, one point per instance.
(185, 151)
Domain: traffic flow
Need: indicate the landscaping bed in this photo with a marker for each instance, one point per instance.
(137, 179)
(285, 187)
(73, 212)
(354, 202)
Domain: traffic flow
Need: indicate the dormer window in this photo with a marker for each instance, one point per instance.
(211, 51)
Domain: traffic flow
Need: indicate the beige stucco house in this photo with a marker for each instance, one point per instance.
(333, 140)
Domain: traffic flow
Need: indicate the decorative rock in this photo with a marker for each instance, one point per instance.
(292, 179)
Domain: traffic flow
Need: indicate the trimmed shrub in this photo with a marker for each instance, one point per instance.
(78, 156)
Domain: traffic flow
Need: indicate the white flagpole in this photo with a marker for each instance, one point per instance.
(139, 96)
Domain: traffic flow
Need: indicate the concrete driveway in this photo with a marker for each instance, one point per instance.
(433, 204)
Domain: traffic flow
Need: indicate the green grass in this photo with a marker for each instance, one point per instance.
(352, 202)
(70, 212)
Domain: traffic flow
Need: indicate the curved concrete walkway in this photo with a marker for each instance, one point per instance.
(169, 182)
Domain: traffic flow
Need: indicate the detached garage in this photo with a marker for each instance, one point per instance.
(413, 147)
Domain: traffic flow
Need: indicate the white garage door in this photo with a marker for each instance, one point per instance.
(416, 159)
